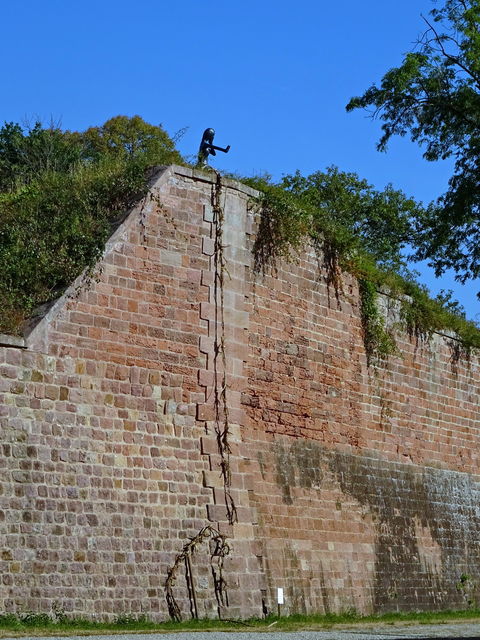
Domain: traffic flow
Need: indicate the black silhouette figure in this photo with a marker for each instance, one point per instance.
(207, 148)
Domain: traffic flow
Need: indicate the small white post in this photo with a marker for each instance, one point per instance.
(280, 599)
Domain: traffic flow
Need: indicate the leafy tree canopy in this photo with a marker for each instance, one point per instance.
(129, 137)
(342, 214)
(379, 220)
(60, 193)
(26, 154)
(434, 96)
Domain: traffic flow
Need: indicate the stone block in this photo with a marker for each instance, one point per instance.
(208, 246)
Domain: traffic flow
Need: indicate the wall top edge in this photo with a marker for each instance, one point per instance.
(12, 341)
(210, 176)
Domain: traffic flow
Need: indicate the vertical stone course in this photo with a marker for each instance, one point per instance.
(353, 487)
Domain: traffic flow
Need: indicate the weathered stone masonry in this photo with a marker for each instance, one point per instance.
(353, 487)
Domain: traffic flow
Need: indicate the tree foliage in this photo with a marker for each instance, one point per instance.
(124, 137)
(60, 193)
(26, 155)
(342, 210)
(358, 229)
(434, 96)
(378, 221)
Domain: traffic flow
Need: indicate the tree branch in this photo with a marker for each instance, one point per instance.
(454, 59)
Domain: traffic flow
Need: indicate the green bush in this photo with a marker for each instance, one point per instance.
(357, 229)
(56, 216)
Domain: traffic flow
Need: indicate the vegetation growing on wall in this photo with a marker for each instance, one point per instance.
(219, 549)
(363, 231)
(379, 342)
(60, 194)
(220, 387)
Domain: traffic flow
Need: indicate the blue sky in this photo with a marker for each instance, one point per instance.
(271, 77)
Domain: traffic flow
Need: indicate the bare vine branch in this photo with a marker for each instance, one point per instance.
(220, 550)
(222, 426)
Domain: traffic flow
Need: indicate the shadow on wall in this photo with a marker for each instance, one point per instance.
(355, 532)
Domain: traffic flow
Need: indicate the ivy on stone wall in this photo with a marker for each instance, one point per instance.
(378, 340)
(356, 229)
(219, 550)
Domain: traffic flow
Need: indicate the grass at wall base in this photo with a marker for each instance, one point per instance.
(32, 624)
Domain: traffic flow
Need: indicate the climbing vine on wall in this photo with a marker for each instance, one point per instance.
(379, 342)
(219, 550)
(222, 426)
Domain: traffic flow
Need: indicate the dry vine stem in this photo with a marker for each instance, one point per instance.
(220, 378)
(217, 556)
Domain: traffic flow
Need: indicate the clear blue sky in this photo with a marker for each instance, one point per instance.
(272, 77)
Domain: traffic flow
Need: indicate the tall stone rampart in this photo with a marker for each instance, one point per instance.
(180, 390)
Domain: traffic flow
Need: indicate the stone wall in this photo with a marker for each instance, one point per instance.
(366, 478)
(180, 390)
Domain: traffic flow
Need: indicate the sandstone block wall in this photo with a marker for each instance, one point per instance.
(367, 477)
(181, 390)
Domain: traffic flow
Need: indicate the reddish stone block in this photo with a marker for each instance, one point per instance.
(205, 412)
(207, 311)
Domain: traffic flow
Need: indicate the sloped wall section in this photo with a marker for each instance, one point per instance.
(182, 391)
